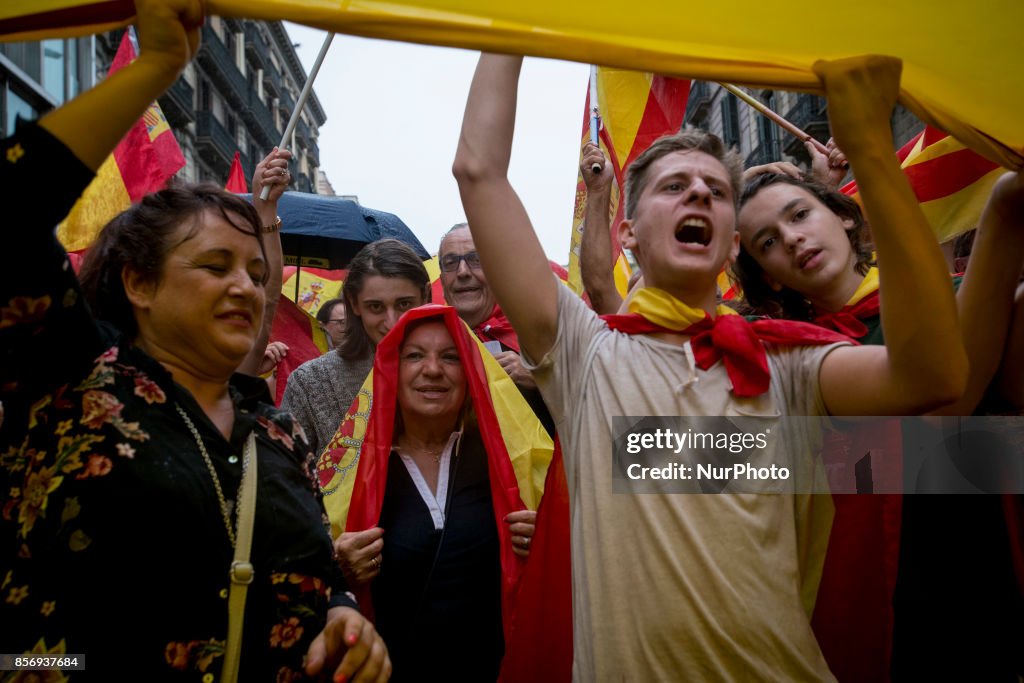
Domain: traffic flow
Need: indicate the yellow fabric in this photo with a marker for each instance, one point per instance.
(529, 447)
(313, 290)
(867, 286)
(105, 197)
(338, 492)
(661, 308)
(963, 66)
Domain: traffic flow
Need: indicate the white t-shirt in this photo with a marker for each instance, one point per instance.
(679, 586)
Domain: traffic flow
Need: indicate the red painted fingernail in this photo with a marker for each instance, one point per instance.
(351, 639)
(340, 678)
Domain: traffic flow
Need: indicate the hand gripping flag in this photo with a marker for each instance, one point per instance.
(636, 109)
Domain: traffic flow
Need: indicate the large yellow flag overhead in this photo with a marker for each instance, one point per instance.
(963, 69)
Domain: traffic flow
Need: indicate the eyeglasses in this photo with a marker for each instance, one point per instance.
(336, 320)
(450, 262)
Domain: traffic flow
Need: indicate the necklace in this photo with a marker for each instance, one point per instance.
(225, 510)
(436, 457)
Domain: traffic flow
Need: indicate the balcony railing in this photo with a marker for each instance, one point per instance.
(212, 138)
(808, 114)
(178, 103)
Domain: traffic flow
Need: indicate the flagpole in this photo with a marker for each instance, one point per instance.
(781, 122)
(595, 115)
(301, 102)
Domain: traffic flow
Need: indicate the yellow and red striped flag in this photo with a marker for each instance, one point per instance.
(636, 109)
(951, 182)
(141, 163)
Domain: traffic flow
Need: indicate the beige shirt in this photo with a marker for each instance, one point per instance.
(679, 586)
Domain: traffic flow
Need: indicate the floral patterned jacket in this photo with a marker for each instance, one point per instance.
(112, 540)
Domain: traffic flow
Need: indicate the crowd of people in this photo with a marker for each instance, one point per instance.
(435, 495)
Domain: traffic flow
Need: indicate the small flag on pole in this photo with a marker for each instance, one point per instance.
(635, 110)
(236, 178)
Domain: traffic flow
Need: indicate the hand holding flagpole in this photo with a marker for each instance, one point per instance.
(303, 96)
(595, 115)
(781, 122)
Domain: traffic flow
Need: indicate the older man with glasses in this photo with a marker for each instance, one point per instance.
(331, 317)
(466, 289)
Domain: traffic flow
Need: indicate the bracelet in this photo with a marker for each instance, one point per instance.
(274, 227)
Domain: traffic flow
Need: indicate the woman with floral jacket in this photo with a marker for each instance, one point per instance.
(122, 451)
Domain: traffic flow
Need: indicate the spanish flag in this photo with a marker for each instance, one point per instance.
(636, 109)
(962, 64)
(352, 474)
(141, 163)
(952, 183)
(301, 332)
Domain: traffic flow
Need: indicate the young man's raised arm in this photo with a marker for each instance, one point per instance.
(923, 364)
(516, 267)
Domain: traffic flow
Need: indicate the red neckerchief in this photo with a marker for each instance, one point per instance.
(739, 344)
(498, 328)
(847, 320)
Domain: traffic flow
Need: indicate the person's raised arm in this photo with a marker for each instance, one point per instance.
(516, 267)
(985, 300)
(596, 268)
(923, 364)
(93, 123)
(272, 172)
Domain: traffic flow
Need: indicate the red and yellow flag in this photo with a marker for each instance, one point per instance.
(636, 109)
(304, 337)
(141, 163)
(951, 182)
(236, 177)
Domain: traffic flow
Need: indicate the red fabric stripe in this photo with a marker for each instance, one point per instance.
(293, 326)
(83, 15)
(663, 114)
(947, 174)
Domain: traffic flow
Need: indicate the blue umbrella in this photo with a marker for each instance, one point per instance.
(320, 231)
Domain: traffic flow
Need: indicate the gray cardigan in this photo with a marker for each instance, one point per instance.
(320, 391)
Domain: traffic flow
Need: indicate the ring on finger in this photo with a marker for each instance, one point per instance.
(375, 562)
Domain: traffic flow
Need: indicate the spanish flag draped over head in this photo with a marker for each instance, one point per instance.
(636, 109)
(352, 472)
(952, 183)
(141, 163)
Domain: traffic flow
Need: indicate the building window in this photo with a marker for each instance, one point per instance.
(53, 69)
(766, 132)
(730, 121)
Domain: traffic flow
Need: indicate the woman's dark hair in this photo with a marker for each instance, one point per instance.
(386, 258)
(758, 297)
(323, 314)
(142, 237)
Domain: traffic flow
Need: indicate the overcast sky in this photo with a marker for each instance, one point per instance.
(393, 116)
